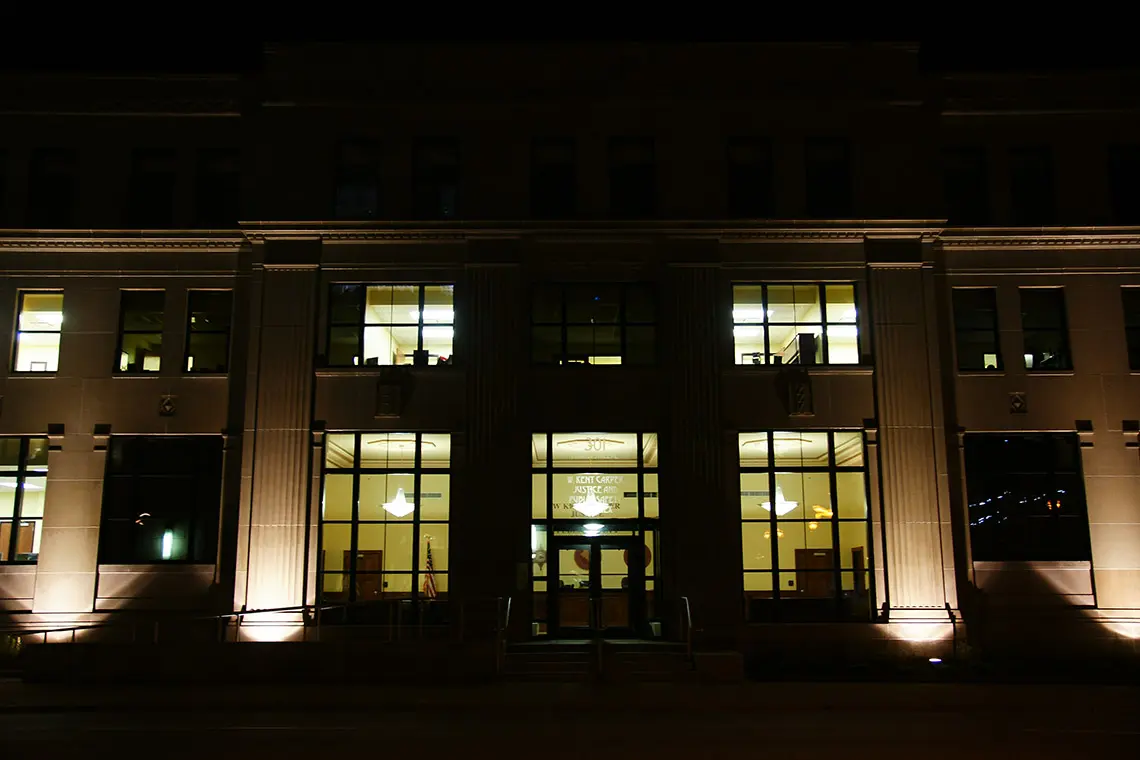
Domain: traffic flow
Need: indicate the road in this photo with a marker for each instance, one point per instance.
(536, 722)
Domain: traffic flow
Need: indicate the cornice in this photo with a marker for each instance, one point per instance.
(1077, 238)
(111, 240)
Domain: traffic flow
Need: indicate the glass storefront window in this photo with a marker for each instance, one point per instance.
(23, 486)
(795, 323)
(805, 530)
(372, 325)
(385, 511)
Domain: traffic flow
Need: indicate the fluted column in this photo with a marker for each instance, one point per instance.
(279, 426)
(701, 531)
(913, 479)
(491, 524)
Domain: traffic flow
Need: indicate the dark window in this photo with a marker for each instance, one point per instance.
(51, 188)
(593, 324)
(23, 484)
(828, 177)
(208, 330)
(633, 178)
(3, 187)
(1027, 498)
(805, 527)
(150, 194)
(373, 325)
(1045, 329)
(161, 499)
(1131, 299)
(1124, 183)
(140, 331)
(750, 178)
(966, 186)
(217, 189)
(553, 178)
(976, 329)
(435, 193)
(357, 193)
(1031, 200)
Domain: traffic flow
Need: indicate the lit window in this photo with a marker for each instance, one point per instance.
(140, 331)
(805, 528)
(806, 323)
(376, 325)
(208, 331)
(1045, 330)
(384, 516)
(38, 331)
(23, 485)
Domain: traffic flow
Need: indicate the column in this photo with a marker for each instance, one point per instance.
(919, 561)
(69, 548)
(701, 524)
(274, 525)
(490, 525)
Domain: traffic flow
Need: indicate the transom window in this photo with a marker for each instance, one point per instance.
(593, 324)
(808, 323)
(805, 531)
(397, 324)
(385, 507)
(39, 325)
(23, 485)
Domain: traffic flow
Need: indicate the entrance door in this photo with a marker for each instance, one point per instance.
(600, 587)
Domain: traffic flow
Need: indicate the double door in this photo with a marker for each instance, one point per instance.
(599, 587)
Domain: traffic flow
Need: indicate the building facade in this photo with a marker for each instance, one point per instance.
(801, 343)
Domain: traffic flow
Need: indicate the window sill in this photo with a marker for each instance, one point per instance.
(21, 567)
(1050, 372)
(136, 374)
(822, 369)
(206, 374)
(380, 369)
(16, 373)
(172, 565)
(981, 373)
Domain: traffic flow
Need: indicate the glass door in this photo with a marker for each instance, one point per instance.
(601, 587)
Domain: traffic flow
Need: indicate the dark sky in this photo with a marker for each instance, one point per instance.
(208, 54)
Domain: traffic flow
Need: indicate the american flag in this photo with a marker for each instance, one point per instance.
(429, 581)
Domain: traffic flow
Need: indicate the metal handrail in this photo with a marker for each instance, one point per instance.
(687, 624)
(501, 633)
(239, 615)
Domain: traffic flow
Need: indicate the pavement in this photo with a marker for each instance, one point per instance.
(556, 720)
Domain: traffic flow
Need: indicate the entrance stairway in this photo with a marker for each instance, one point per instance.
(598, 660)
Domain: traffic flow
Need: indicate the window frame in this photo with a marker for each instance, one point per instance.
(829, 186)
(17, 332)
(191, 331)
(543, 204)
(357, 164)
(995, 331)
(429, 177)
(774, 521)
(363, 322)
(741, 173)
(1131, 323)
(823, 324)
(20, 473)
(1062, 330)
(122, 332)
(623, 205)
(356, 472)
(622, 324)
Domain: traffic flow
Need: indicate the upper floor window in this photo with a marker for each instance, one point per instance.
(217, 188)
(3, 188)
(150, 195)
(1131, 300)
(208, 330)
(161, 499)
(976, 329)
(39, 325)
(593, 324)
(633, 178)
(966, 185)
(553, 178)
(372, 325)
(808, 323)
(750, 178)
(23, 485)
(1031, 193)
(1124, 183)
(357, 180)
(51, 188)
(1026, 497)
(827, 163)
(141, 320)
(1045, 329)
(435, 194)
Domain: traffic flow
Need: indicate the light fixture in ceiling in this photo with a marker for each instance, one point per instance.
(399, 506)
(783, 506)
(591, 507)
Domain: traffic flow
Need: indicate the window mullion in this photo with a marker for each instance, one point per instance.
(420, 323)
(833, 486)
(823, 319)
(766, 322)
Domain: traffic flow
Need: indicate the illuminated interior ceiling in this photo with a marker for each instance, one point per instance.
(811, 447)
(613, 449)
(379, 449)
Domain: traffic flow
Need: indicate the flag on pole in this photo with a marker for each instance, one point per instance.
(429, 580)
